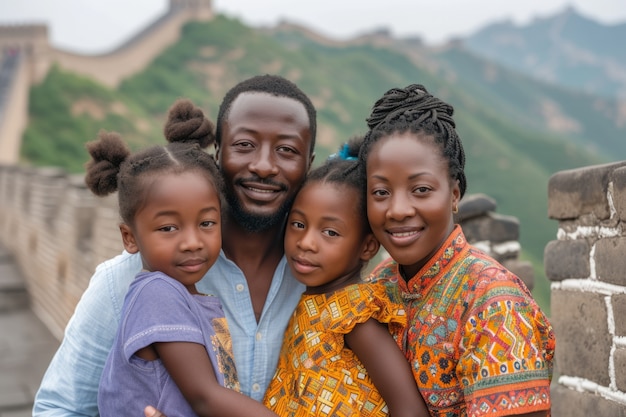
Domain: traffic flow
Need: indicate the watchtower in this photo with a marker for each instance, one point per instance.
(202, 9)
(31, 43)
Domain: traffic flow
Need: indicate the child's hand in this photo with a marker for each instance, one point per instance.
(150, 411)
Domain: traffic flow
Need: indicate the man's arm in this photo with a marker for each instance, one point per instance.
(70, 384)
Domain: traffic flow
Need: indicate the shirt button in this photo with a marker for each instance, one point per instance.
(239, 287)
(256, 387)
(259, 336)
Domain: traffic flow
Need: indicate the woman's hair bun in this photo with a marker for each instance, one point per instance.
(414, 104)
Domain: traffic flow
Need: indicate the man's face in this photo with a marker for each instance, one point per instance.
(265, 153)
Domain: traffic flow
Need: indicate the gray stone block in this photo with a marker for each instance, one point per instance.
(583, 340)
(610, 259)
(563, 259)
(474, 205)
(504, 251)
(619, 192)
(572, 193)
(492, 227)
(618, 301)
(619, 362)
(569, 403)
(523, 269)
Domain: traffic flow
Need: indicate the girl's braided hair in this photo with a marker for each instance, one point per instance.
(342, 169)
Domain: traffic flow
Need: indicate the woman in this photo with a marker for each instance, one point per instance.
(477, 341)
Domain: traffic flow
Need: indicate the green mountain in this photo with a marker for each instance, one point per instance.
(568, 49)
(512, 149)
(587, 121)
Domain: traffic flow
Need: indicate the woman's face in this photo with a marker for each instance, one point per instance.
(410, 198)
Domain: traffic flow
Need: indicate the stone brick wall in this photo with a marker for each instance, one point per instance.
(59, 232)
(132, 57)
(36, 55)
(493, 233)
(587, 267)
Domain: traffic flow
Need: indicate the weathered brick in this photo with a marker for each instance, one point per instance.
(575, 192)
(522, 269)
(618, 301)
(619, 362)
(619, 192)
(583, 342)
(504, 251)
(569, 403)
(474, 205)
(493, 227)
(563, 259)
(610, 260)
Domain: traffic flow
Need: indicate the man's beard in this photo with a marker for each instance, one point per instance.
(255, 223)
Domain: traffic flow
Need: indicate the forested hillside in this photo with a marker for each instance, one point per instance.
(511, 152)
(568, 49)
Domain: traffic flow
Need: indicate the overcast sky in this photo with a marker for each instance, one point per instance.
(95, 26)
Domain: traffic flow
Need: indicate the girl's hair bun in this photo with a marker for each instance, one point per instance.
(186, 123)
(108, 153)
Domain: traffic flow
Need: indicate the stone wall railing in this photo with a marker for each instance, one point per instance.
(587, 267)
(493, 233)
(59, 232)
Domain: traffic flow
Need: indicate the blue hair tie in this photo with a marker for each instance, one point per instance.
(344, 154)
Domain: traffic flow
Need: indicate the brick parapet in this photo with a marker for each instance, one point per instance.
(587, 267)
(29, 55)
(59, 232)
(495, 234)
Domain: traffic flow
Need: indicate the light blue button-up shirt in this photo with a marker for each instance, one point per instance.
(70, 385)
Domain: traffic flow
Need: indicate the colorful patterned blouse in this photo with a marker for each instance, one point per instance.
(477, 341)
(316, 374)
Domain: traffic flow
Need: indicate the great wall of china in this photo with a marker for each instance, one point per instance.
(58, 232)
(26, 55)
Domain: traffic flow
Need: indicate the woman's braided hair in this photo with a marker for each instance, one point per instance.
(413, 109)
(114, 168)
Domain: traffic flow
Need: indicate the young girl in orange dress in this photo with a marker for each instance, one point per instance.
(477, 342)
(338, 357)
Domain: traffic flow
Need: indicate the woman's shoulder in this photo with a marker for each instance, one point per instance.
(486, 270)
(487, 282)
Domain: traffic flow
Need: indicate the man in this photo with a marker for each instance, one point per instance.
(266, 130)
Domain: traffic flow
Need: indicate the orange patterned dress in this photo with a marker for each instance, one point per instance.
(316, 374)
(477, 341)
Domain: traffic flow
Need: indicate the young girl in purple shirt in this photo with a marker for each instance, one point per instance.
(173, 348)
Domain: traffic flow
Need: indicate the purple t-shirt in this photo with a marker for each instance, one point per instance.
(158, 308)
